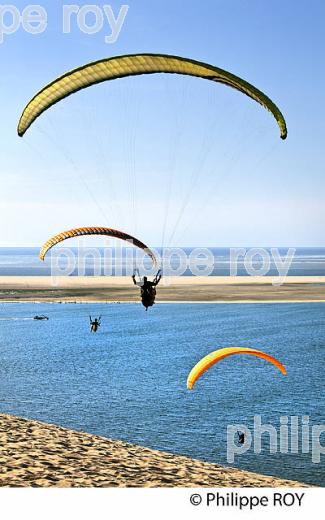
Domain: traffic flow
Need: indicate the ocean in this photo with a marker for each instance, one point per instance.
(25, 262)
(128, 381)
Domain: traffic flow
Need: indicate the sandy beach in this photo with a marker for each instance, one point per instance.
(172, 289)
(34, 454)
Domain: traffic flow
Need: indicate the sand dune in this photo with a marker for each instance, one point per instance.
(176, 289)
(34, 454)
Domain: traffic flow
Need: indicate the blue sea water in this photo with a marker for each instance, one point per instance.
(25, 262)
(128, 381)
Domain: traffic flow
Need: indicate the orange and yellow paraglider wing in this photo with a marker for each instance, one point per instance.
(216, 356)
(113, 233)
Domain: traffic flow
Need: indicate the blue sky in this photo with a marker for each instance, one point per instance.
(175, 160)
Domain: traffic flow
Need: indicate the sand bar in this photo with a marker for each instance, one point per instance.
(173, 289)
(34, 454)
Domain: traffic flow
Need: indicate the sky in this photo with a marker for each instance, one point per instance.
(174, 160)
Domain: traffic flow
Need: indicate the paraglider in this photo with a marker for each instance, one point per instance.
(77, 232)
(148, 289)
(133, 65)
(216, 356)
(241, 437)
(95, 324)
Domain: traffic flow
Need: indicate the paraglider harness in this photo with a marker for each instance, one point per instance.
(148, 290)
(95, 324)
(148, 296)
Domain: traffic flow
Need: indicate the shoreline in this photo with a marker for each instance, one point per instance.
(171, 302)
(99, 281)
(194, 289)
(36, 454)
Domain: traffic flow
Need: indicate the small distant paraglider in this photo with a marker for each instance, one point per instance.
(214, 357)
(95, 324)
(241, 437)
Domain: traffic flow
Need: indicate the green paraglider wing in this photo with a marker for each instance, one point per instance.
(134, 65)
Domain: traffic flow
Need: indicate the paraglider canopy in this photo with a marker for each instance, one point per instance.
(134, 65)
(77, 232)
(208, 361)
